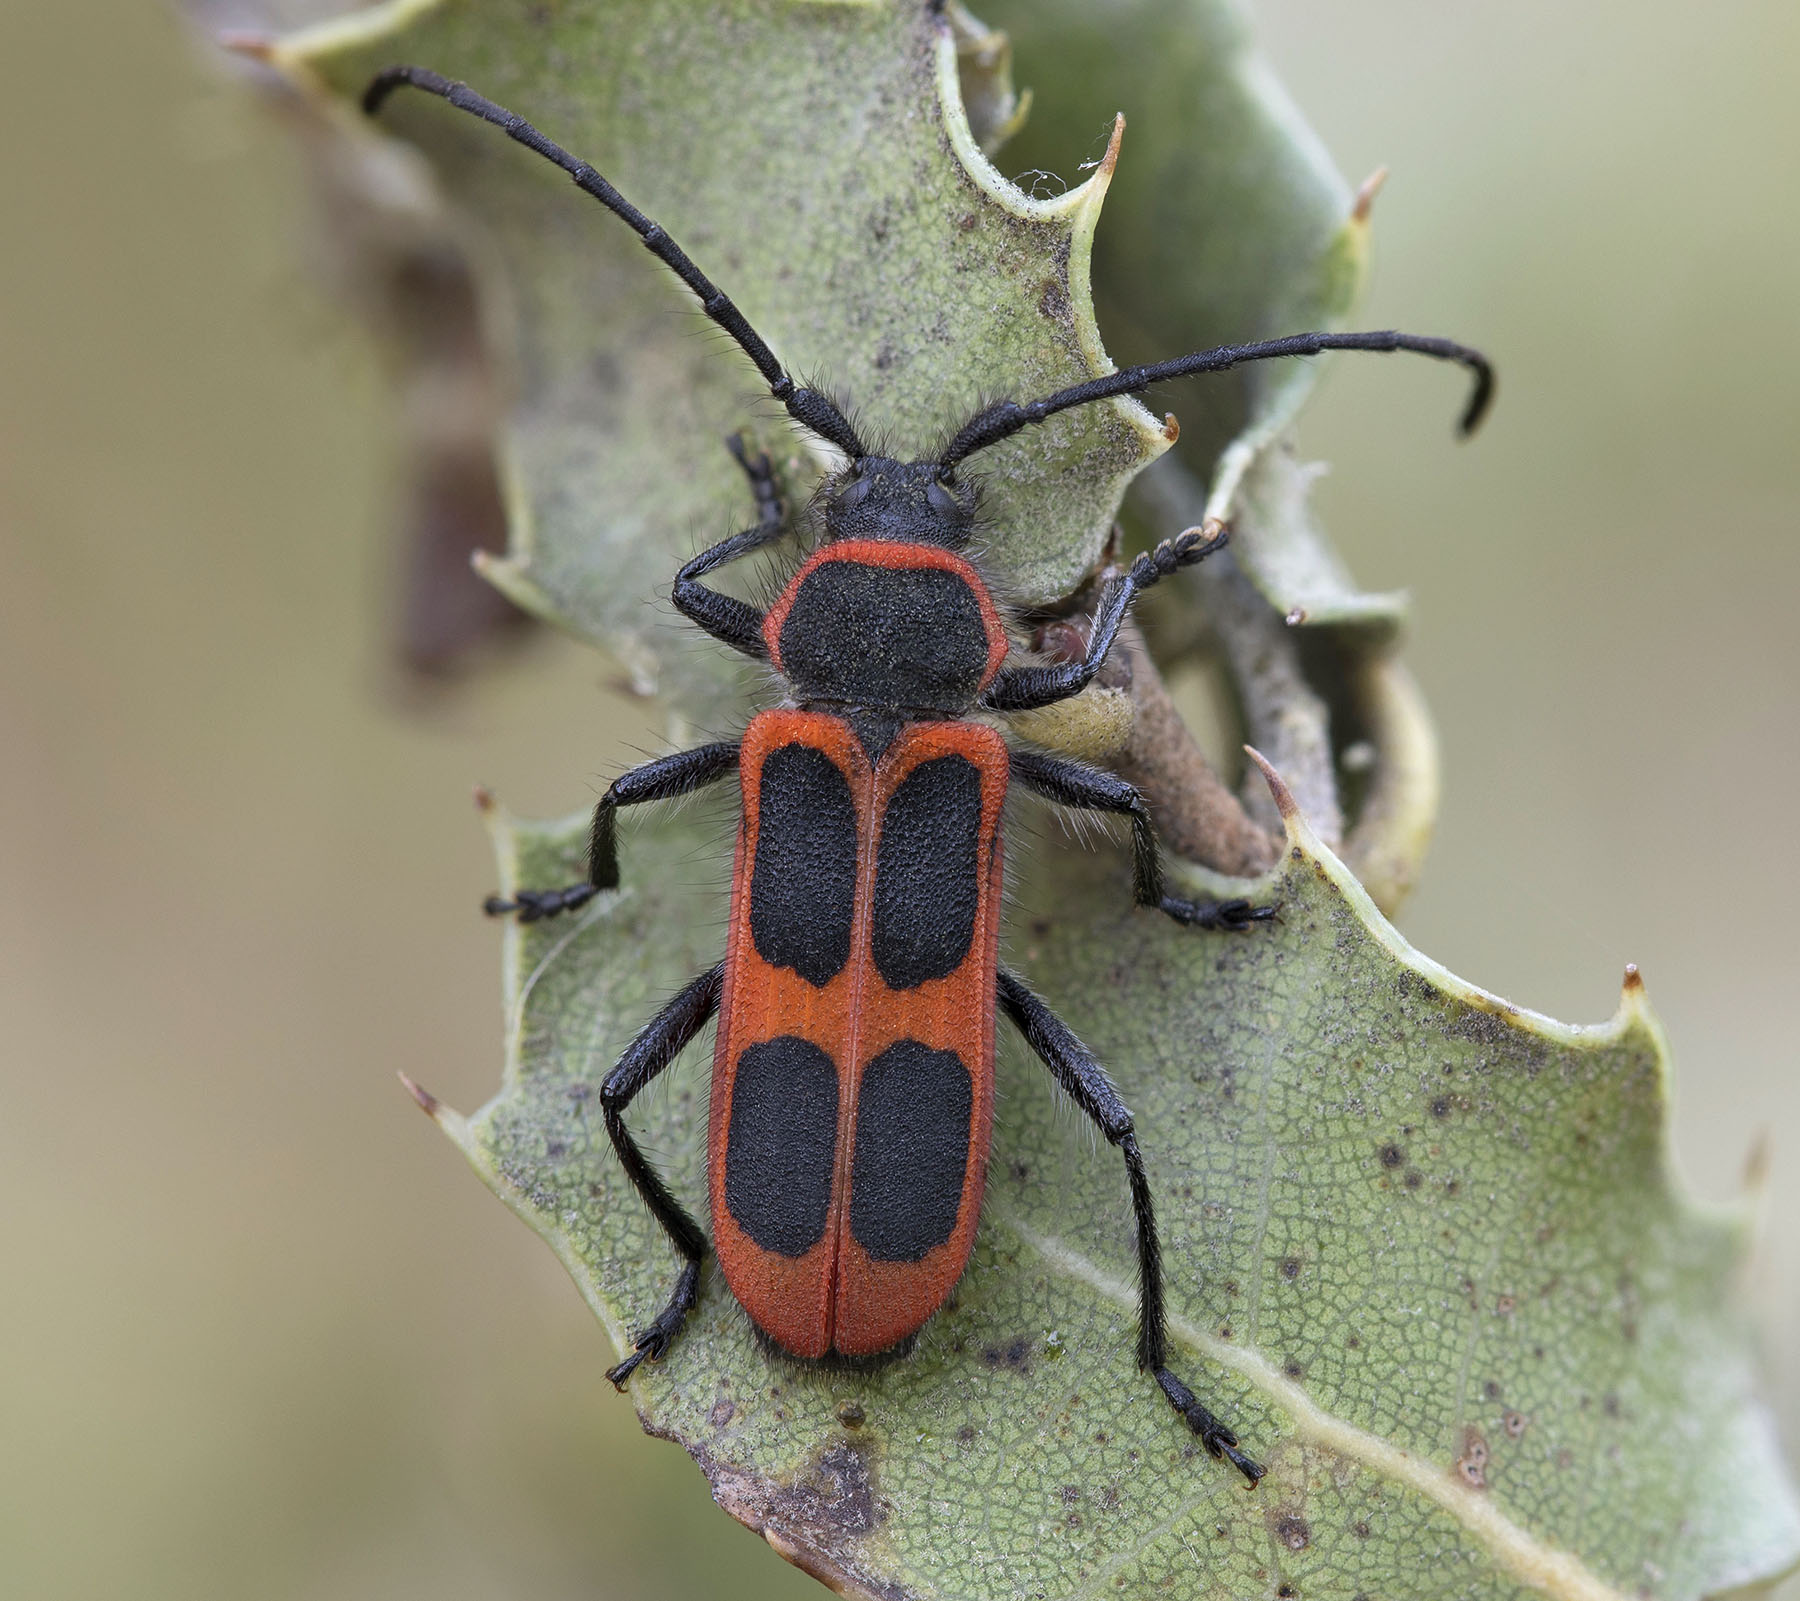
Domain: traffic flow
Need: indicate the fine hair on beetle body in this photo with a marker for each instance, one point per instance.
(852, 1095)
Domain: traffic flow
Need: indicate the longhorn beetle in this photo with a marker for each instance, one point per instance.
(853, 1076)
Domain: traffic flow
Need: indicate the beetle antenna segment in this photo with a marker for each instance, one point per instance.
(1006, 418)
(808, 407)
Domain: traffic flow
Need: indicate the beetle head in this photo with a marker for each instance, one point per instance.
(876, 497)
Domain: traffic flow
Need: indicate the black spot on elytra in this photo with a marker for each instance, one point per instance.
(803, 882)
(927, 873)
(780, 1143)
(912, 1151)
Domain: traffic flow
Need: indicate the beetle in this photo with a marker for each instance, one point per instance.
(853, 1073)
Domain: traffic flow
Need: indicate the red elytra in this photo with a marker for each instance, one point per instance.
(838, 1298)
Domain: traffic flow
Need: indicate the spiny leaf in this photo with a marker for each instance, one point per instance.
(1425, 1251)
(816, 160)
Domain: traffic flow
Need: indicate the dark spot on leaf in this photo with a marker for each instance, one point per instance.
(1414, 1178)
(1070, 1494)
(1286, 1591)
(555, 1149)
(1054, 301)
(1609, 1404)
(1292, 1531)
(966, 1434)
(968, 221)
(1354, 1342)
(851, 1414)
(1505, 1305)
(1014, 1356)
(1290, 1268)
(1491, 1390)
(1073, 1520)
(1471, 1466)
(722, 1413)
(1293, 1369)
(1392, 1155)
(1440, 1107)
(1515, 1424)
(1360, 1528)
(1021, 1171)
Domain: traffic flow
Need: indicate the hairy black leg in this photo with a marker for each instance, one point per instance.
(663, 779)
(727, 619)
(1022, 688)
(1091, 789)
(657, 1045)
(1088, 1086)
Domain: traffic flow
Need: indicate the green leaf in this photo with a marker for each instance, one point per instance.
(814, 156)
(1425, 1251)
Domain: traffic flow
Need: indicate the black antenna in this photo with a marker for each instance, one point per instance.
(1006, 418)
(808, 407)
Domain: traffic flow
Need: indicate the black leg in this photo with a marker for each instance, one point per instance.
(727, 619)
(1070, 783)
(1088, 1086)
(1023, 688)
(657, 1045)
(663, 779)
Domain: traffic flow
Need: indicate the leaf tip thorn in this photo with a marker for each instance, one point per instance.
(1171, 427)
(1634, 982)
(1284, 797)
(247, 42)
(484, 800)
(1296, 617)
(1111, 158)
(1366, 192)
(429, 1104)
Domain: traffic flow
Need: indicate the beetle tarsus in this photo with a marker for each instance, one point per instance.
(1220, 1440)
(652, 1342)
(534, 905)
(1235, 916)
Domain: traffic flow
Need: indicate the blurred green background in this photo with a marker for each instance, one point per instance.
(260, 1333)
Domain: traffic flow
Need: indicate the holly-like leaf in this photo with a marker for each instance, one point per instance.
(1425, 1251)
(816, 160)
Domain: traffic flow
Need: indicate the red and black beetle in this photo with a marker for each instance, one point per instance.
(853, 1078)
